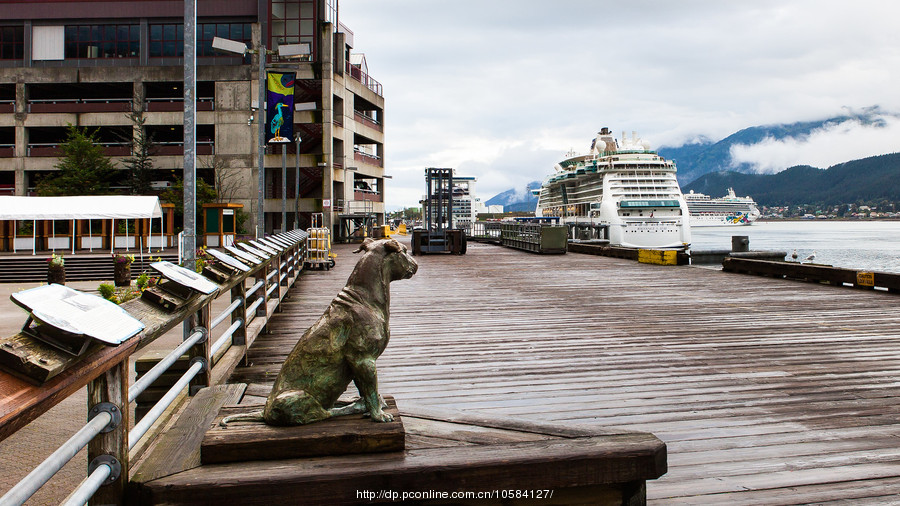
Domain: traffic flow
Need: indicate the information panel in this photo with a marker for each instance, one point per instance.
(78, 313)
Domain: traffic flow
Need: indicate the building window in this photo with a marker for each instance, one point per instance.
(12, 42)
(102, 41)
(168, 40)
(292, 22)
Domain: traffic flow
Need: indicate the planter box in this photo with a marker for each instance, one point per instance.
(91, 242)
(124, 241)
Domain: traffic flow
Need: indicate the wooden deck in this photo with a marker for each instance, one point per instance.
(765, 391)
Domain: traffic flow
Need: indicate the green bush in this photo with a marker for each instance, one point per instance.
(107, 290)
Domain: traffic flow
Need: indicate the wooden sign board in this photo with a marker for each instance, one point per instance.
(270, 244)
(185, 277)
(342, 435)
(285, 238)
(230, 261)
(279, 241)
(256, 251)
(267, 249)
(244, 255)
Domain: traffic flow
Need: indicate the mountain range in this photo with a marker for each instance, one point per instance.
(516, 201)
(705, 156)
(707, 166)
(872, 179)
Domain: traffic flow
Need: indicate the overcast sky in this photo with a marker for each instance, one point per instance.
(502, 89)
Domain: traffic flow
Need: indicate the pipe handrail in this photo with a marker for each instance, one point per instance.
(156, 371)
(225, 312)
(52, 464)
(112, 360)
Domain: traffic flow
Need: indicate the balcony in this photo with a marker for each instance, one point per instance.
(367, 195)
(361, 156)
(369, 121)
(357, 73)
(7, 106)
(79, 105)
(7, 151)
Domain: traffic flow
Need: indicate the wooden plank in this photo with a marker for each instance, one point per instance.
(547, 464)
(246, 441)
(722, 368)
(178, 448)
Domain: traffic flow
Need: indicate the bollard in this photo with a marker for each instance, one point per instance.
(740, 243)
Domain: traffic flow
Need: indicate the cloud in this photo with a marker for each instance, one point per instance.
(502, 89)
(823, 147)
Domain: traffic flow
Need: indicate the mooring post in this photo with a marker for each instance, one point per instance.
(740, 243)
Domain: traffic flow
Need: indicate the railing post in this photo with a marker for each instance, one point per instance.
(262, 275)
(284, 271)
(239, 338)
(200, 319)
(110, 391)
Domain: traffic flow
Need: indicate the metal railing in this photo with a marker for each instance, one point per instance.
(367, 81)
(106, 434)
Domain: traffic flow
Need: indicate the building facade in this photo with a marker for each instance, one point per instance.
(100, 64)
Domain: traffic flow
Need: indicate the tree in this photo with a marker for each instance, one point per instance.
(140, 164)
(227, 182)
(83, 170)
(175, 195)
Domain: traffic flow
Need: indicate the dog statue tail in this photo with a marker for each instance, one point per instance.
(253, 416)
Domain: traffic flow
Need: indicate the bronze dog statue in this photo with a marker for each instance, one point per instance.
(341, 346)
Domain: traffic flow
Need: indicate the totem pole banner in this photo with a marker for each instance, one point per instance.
(279, 107)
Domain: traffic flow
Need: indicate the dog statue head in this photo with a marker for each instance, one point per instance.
(396, 262)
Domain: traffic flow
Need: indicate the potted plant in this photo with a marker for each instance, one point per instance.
(56, 269)
(122, 273)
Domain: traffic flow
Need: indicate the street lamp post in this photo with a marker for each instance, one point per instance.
(297, 187)
(284, 50)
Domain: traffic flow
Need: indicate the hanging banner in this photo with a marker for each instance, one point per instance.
(279, 107)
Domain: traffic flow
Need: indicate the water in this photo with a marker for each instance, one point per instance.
(861, 245)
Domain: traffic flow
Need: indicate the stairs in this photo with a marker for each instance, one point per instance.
(81, 267)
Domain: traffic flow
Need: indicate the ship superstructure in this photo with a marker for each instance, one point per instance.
(624, 185)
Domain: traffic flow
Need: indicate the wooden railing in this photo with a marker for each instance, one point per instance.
(104, 369)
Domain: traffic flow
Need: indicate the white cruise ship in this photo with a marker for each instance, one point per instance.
(723, 211)
(624, 185)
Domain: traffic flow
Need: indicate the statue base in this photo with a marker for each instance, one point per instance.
(243, 441)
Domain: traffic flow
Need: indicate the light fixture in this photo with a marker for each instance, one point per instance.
(351, 168)
(293, 50)
(387, 177)
(231, 46)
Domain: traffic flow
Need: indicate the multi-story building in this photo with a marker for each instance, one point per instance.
(96, 63)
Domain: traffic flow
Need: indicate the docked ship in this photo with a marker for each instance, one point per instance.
(723, 211)
(626, 186)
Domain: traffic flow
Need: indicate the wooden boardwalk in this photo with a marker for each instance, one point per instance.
(765, 391)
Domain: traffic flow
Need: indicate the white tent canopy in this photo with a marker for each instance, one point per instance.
(100, 207)
(79, 208)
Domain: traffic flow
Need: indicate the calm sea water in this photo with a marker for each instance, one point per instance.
(862, 245)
